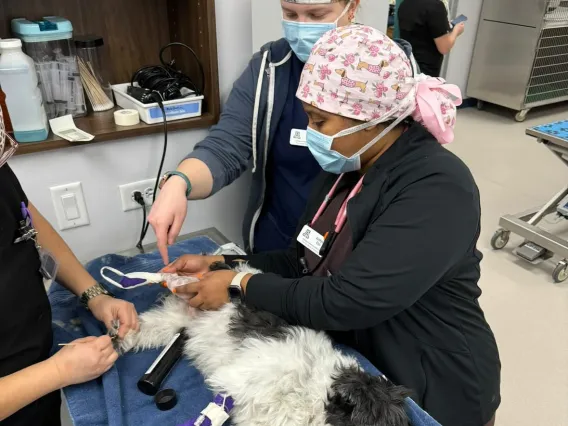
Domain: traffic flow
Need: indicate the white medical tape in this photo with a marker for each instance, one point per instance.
(126, 117)
(216, 414)
(149, 277)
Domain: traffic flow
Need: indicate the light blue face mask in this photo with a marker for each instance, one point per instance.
(332, 161)
(302, 36)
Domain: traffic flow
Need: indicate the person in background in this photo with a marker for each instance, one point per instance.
(425, 25)
(386, 259)
(29, 378)
(263, 128)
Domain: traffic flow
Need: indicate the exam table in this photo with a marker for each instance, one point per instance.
(114, 399)
(539, 244)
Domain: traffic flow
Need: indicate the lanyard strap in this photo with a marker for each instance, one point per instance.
(341, 218)
(326, 200)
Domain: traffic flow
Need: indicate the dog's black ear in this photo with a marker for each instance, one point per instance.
(359, 399)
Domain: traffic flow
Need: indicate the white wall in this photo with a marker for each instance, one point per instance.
(459, 61)
(102, 167)
(267, 16)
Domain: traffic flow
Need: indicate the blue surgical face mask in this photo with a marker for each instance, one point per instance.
(332, 161)
(302, 36)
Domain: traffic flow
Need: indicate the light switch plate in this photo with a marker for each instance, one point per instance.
(58, 193)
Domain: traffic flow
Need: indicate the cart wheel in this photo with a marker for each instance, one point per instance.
(560, 273)
(500, 239)
(480, 105)
(521, 115)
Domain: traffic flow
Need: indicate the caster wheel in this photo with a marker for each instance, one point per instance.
(480, 105)
(560, 273)
(521, 115)
(500, 239)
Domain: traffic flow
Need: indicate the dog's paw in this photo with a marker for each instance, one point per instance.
(128, 343)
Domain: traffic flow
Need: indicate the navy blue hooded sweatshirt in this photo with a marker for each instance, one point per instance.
(248, 128)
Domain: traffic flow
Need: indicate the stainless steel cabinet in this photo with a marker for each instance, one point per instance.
(520, 59)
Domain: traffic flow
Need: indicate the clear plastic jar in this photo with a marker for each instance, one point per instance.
(93, 63)
(49, 43)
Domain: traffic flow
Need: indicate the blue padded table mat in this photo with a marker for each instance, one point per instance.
(558, 129)
(114, 399)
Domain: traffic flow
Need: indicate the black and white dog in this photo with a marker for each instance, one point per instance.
(277, 374)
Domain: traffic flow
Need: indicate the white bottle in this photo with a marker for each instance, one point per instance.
(18, 78)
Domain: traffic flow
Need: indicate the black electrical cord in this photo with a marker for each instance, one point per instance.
(172, 62)
(145, 223)
(166, 83)
(166, 79)
(138, 197)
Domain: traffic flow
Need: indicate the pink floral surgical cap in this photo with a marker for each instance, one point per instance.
(358, 72)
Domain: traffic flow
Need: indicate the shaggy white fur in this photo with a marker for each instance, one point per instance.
(277, 381)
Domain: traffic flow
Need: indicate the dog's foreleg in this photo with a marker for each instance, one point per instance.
(159, 325)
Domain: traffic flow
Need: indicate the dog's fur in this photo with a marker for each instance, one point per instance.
(278, 375)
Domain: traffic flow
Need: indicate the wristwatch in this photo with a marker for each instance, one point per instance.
(92, 292)
(168, 175)
(236, 294)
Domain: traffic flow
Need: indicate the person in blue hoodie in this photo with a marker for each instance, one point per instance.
(263, 127)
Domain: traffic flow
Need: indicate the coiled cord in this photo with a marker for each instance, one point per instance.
(166, 79)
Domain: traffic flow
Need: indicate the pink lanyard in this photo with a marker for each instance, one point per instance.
(342, 215)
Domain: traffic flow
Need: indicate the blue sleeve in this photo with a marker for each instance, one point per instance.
(227, 149)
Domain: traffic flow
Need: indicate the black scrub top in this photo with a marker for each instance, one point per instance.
(25, 313)
(422, 21)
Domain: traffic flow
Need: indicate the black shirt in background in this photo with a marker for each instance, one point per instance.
(422, 21)
(25, 314)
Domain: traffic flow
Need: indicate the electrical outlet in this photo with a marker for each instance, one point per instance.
(146, 188)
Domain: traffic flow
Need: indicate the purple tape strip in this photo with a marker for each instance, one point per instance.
(221, 400)
(131, 282)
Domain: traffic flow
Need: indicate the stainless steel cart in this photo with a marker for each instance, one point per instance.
(538, 241)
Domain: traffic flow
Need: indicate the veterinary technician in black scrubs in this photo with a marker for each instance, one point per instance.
(29, 378)
(386, 258)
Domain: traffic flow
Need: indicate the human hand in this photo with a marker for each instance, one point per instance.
(459, 29)
(211, 293)
(84, 360)
(107, 309)
(168, 213)
(190, 264)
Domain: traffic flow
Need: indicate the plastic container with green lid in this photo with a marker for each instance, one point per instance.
(49, 43)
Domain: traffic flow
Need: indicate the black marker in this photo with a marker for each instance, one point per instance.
(150, 382)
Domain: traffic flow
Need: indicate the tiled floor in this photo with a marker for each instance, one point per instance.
(528, 312)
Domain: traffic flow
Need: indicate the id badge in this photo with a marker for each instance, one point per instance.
(311, 239)
(299, 137)
(49, 264)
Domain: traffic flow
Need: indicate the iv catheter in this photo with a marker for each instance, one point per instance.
(134, 280)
